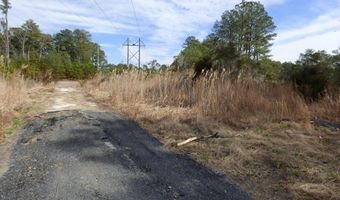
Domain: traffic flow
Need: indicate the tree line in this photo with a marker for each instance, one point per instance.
(241, 40)
(68, 54)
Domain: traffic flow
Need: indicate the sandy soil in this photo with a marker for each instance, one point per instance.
(68, 96)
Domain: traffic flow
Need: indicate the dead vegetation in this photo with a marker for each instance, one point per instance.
(14, 92)
(265, 141)
(328, 107)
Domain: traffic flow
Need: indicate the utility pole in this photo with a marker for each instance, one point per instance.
(128, 53)
(132, 53)
(139, 53)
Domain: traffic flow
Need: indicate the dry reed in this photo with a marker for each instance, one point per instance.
(291, 160)
(12, 96)
(222, 96)
(328, 107)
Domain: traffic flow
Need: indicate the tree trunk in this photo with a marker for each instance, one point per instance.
(23, 48)
(40, 52)
(7, 42)
(40, 55)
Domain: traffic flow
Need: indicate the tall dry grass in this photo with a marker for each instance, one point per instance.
(13, 93)
(291, 160)
(328, 107)
(223, 96)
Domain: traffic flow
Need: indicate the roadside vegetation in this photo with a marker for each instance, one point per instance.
(13, 94)
(265, 134)
(68, 54)
(277, 123)
(30, 57)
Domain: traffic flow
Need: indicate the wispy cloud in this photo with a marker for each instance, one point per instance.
(324, 23)
(321, 33)
(163, 24)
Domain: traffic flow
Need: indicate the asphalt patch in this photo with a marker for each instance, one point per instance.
(97, 155)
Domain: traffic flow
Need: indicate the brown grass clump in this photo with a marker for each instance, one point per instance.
(12, 96)
(266, 142)
(328, 107)
(218, 95)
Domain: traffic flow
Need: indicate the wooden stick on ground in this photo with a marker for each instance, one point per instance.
(196, 139)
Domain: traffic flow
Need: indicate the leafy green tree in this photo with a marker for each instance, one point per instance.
(65, 42)
(107, 68)
(240, 41)
(335, 59)
(223, 56)
(16, 34)
(31, 37)
(45, 44)
(153, 65)
(271, 70)
(248, 28)
(314, 58)
(84, 48)
(68, 54)
(289, 71)
(163, 68)
(79, 46)
(313, 76)
(58, 62)
(192, 54)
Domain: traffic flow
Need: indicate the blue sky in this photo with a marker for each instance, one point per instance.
(164, 24)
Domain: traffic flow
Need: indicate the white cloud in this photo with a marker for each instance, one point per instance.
(322, 33)
(163, 23)
(328, 41)
(322, 24)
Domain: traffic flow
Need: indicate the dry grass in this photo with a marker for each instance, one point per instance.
(221, 96)
(13, 95)
(266, 143)
(328, 107)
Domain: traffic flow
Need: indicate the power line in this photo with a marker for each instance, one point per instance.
(104, 13)
(139, 43)
(135, 15)
(82, 19)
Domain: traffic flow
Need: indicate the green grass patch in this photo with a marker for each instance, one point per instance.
(334, 176)
(16, 123)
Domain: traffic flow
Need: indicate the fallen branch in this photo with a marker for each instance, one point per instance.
(196, 139)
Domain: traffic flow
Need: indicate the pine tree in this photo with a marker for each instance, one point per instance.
(248, 28)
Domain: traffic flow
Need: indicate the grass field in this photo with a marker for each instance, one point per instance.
(266, 141)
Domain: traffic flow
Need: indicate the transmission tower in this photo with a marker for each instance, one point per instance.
(133, 51)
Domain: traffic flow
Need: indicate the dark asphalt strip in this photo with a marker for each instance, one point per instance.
(95, 155)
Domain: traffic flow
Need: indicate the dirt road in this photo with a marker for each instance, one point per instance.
(76, 151)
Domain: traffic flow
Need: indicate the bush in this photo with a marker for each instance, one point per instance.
(336, 75)
(312, 81)
(311, 73)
